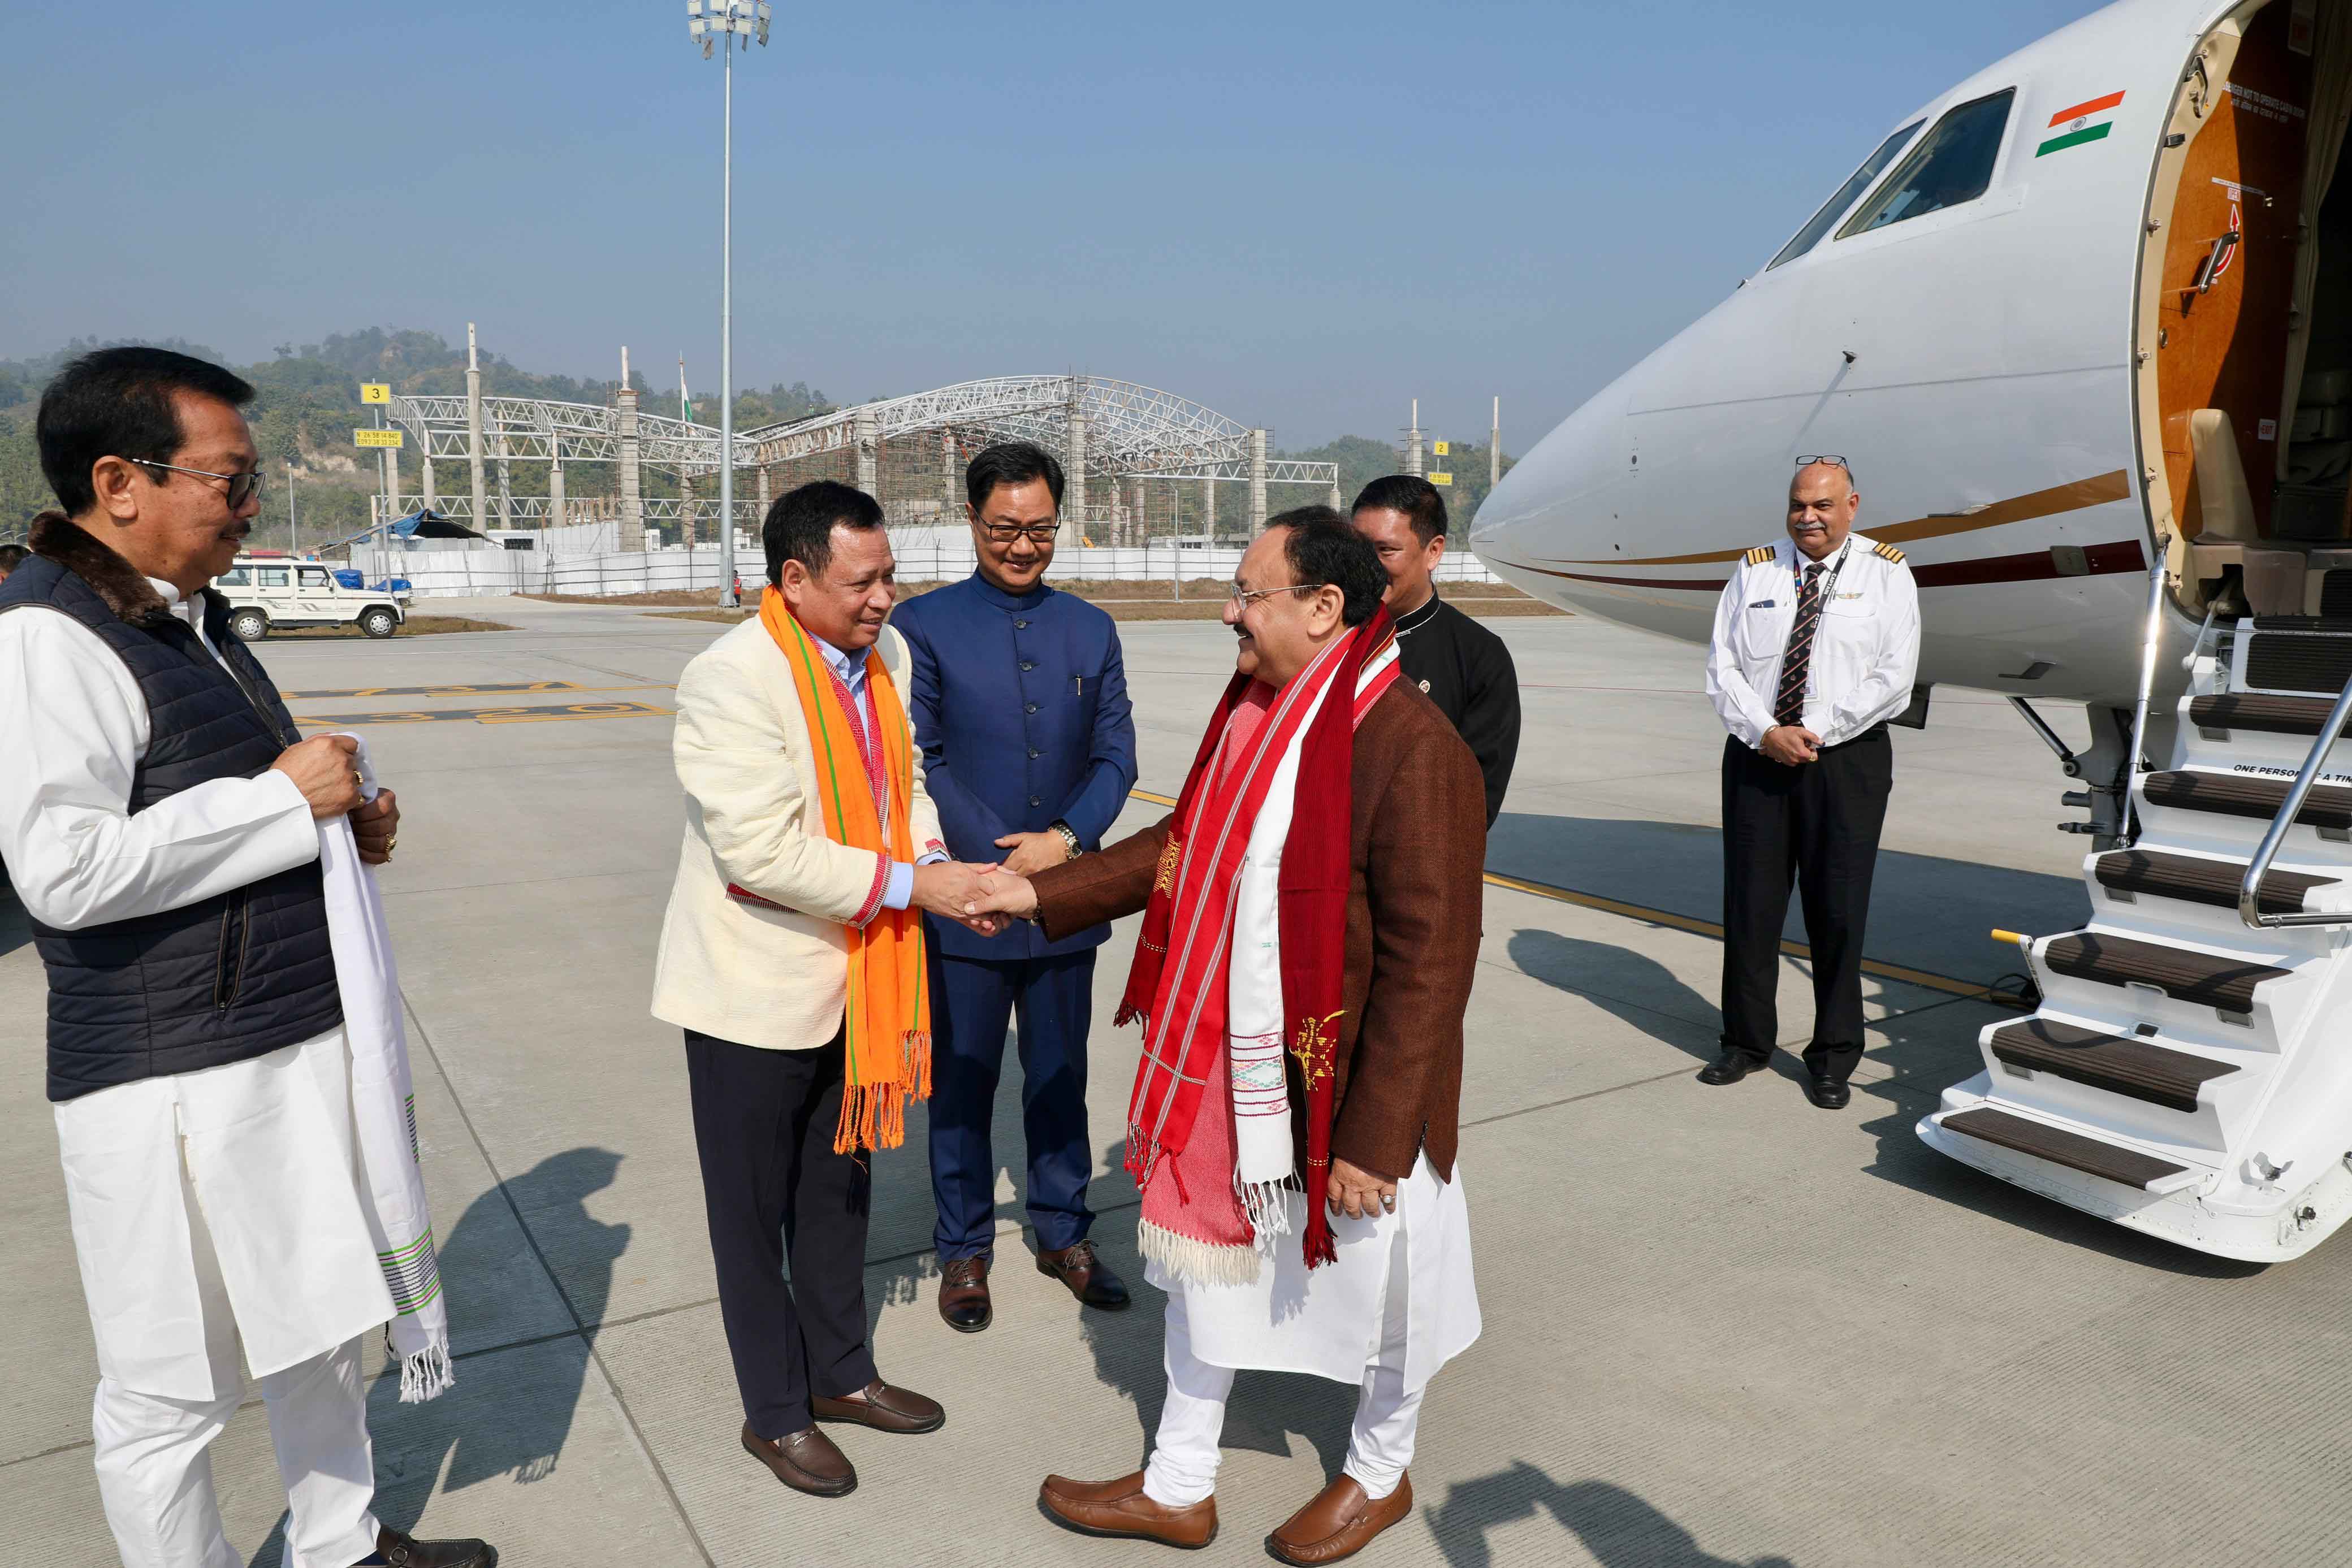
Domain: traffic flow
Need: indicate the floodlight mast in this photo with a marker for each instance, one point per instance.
(749, 19)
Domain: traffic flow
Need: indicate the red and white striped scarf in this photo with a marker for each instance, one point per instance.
(1179, 983)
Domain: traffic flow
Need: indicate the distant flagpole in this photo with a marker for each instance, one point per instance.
(685, 404)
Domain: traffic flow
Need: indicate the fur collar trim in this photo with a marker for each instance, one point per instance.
(122, 586)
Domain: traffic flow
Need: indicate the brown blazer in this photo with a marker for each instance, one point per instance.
(1417, 849)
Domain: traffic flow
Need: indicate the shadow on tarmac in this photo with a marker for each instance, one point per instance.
(1619, 1529)
(523, 1438)
(1926, 913)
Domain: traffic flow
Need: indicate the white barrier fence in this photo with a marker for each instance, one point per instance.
(449, 573)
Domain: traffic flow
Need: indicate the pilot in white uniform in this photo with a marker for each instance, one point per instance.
(1816, 642)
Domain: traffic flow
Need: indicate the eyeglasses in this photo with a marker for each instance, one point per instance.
(242, 488)
(1007, 533)
(1810, 458)
(1243, 596)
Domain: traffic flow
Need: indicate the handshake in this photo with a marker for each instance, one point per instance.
(987, 898)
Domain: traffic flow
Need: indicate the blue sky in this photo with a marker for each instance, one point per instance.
(1299, 214)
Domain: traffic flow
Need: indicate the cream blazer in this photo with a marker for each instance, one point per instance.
(775, 978)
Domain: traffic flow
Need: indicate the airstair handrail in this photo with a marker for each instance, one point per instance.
(2129, 816)
(2250, 888)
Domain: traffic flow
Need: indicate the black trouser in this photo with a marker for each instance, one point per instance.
(1818, 823)
(764, 1125)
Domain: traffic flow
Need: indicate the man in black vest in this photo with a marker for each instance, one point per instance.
(158, 816)
(1464, 668)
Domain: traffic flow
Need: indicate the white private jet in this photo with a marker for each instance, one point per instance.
(2083, 326)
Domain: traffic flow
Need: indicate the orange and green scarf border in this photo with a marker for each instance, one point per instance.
(888, 1017)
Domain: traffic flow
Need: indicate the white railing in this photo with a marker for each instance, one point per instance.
(449, 573)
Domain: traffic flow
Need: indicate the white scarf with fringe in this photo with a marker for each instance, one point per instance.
(383, 1109)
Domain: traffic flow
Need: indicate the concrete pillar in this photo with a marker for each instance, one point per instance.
(868, 433)
(765, 502)
(554, 495)
(1208, 507)
(1413, 442)
(474, 431)
(430, 496)
(1134, 534)
(1258, 482)
(950, 493)
(506, 481)
(1074, 468)
(633, 502)
(686, 507)
(1336, 503)
(390, 484)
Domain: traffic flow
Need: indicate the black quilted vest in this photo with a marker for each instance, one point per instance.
(228, 978)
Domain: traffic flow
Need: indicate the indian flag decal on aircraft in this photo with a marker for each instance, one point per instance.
(2084, 122)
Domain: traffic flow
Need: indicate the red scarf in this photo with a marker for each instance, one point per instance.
(1188, 918)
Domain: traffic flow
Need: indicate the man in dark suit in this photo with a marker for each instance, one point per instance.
(1020, 703)
(1464, 668)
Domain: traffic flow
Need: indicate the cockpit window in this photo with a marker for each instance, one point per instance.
(1811, 235)
(1952, 165)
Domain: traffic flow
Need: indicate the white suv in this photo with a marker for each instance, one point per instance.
(266, 590)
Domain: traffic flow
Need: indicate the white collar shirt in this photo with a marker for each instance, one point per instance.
(1865, 648)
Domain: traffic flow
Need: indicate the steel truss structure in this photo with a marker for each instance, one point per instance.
(1129, 431)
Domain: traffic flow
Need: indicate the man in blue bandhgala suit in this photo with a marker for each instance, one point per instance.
(1020, 703)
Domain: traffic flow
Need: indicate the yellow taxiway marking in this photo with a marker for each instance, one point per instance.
(1698, 927)
(544, 715)
(497, 689)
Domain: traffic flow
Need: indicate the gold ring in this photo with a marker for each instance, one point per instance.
(391, 843)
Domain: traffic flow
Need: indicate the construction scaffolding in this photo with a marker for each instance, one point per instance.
(1140, 463)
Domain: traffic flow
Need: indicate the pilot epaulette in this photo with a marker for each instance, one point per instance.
(1760, 555)
(1888, 552)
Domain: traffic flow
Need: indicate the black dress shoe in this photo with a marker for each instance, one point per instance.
(884, 1408)
(407, 1551)
(1081, 1268)
(1826, 1091)
(1729, 1067)
(804, 1460)
(964, 1294)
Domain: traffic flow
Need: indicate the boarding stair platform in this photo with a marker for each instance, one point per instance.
(2189, 1070)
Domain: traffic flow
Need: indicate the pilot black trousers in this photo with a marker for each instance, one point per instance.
(1816, 825)
(788, 1222)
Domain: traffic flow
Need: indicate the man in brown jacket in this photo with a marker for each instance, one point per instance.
(1312, 926)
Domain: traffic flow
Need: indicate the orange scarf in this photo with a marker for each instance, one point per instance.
(889, 1021)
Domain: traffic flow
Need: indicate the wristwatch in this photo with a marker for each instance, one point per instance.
(1069, 837)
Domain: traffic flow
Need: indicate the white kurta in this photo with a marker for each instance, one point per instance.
(257, 1153)
(1329, 1320)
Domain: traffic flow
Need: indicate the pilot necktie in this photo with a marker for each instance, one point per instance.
(1797, 661)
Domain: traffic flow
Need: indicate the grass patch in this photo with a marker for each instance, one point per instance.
(415, 626)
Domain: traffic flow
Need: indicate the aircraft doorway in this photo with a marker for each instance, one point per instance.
(2246, 318)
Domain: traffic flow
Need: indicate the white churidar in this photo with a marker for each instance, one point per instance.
(1188, 1447)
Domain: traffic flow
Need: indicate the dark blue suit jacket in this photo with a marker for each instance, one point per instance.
(1020, 705)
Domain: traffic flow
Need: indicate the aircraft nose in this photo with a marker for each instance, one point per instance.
(1559, 488)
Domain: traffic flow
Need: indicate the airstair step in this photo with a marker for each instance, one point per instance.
(2328, 807)
(2120, 1063)
(2201, 979)
(2335, 595)
(2252, 710)
(2193, 881)
(2059, 1146)
(2294, 660)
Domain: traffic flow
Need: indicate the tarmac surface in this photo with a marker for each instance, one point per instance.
(1723, 1329)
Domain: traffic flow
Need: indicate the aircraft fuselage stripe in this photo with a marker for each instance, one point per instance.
(2034, 565)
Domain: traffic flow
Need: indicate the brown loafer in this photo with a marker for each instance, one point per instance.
(964, 1294)
(1120, 1508)
(1340, 1523)
(884, 1408)
(804, 1460)
(1080, 1267)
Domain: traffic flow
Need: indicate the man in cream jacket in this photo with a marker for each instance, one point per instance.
(792, 957)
